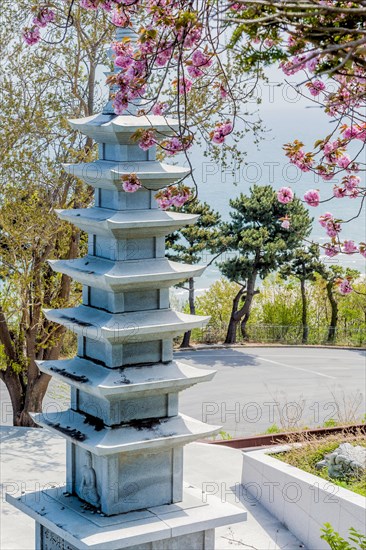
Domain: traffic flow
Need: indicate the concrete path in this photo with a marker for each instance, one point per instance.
(32, 459)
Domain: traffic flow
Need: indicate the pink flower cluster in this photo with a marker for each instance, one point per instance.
(176, 145)
(331, 250)
(312, 197)
(198, 61)
(286, 222)
(345, 287)
(332, 227)
(300, 63)
(175, 195)
(31, 36)
(44, 16)
(131, 183)
(285, 195)
(147, 140)
(159, 108)
(315, 87)
(350, 187)
(298, 157)
(355, 131)
(221, 131)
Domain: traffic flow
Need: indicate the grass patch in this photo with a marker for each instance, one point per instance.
(312, 450)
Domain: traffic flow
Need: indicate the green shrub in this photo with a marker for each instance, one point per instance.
(336, 542)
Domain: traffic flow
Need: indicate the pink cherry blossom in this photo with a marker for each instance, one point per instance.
(175, 145)
(89, 4)
(356, 131)
(44, 16)
(349, 247)
(354, 193)
(194, 72)
(123, 61)
(175, 195)
(350, 182)
(119, 18)
(344, 161)
(331, 250)
(345, 287)
(220, 132)
(147, 140)
(31, 36)
(325, 218)
(200, 59)
(312, 197)
(120, 103)
(312, 64)
(333, 228)
(217, 137)
(286, 223)
(131, 183)
(315, 87)
(285, 195)
(159, 108)
(223, 92)
(339, 192)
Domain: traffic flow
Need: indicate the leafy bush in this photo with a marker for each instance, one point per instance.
(336, 542)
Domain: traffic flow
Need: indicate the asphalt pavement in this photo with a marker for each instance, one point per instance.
(255, 388)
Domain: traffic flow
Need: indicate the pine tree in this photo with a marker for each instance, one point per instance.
(190, 245)
(260, 245)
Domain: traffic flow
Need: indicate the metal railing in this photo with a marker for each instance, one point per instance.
(284, 334)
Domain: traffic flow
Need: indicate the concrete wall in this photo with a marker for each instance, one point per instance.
(301, 501)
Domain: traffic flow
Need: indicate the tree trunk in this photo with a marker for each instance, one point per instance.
(304, 313)
(16, 393)
(246, 309)
(332, 329)
(234, 318)
(34, 404)
(192, 310)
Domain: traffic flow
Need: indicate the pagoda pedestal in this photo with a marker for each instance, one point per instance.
(125, 435)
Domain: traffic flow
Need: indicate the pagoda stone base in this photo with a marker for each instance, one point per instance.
(129, 481)
(64, 523)
(202, 540)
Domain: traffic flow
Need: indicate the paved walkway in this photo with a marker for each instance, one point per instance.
(32, 458)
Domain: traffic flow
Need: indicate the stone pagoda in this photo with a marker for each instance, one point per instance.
(125, 435)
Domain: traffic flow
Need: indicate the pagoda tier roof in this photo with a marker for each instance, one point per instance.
(140, 326)
(143, 435)
(119, 276)
(119, 129)
(127, 382)
(106, 174)
(127, 224)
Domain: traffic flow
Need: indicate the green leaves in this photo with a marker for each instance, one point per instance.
(189, 244)
(336, 542)
(255, 234)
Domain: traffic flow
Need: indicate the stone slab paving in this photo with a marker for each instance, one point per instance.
(34, 459)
